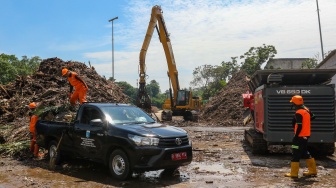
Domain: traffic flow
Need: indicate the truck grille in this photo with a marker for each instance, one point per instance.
(174, 141)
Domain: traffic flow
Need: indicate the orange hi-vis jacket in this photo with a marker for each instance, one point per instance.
(305, 131)
(32, 124)
(74, 81)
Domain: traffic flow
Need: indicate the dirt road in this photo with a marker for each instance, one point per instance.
(221, 159)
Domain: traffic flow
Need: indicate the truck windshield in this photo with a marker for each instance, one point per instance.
(126, 115)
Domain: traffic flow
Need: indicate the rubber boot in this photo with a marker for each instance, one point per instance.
(36, 150)
(311, 164)
(294, 170)
(32, 144)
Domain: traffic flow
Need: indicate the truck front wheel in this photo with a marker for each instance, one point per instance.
(119, 165)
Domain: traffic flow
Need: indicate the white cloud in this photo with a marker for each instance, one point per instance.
(209, 32)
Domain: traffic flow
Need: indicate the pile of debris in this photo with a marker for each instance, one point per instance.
(50, 90)
(226, 108)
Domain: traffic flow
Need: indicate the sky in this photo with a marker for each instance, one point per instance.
(202, 32)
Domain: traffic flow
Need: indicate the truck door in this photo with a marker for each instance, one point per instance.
(89, 138)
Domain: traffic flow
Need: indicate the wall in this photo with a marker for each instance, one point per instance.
(285, 63)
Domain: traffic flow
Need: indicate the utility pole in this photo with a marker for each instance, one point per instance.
(318, 14)
(111, 20)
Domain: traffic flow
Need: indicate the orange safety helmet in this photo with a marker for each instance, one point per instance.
(297, 100)
(64, 71)
(32, 105)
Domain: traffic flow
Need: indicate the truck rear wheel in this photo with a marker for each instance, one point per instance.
(52, 152)
(119, 165)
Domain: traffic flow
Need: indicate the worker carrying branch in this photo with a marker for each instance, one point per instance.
(77, 83)
(301, 125)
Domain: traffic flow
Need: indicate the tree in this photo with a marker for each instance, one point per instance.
(111, 79)
(153, 88)
(128, 90)
(7, 70)
(309, 63)
(256, 56)
(203, 75)
(211, 79)
(11, 66)
(27, 66)
(229, 68)
(158, 100)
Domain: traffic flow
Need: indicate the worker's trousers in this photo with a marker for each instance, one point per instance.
(299, 149)
(34, 148)
(79, 94)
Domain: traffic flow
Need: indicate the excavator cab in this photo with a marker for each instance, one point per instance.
(182, 98)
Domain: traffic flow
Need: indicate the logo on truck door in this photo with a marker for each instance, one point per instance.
(87, 141)
(292, 91)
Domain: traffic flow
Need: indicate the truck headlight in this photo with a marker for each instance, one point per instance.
(144, 141)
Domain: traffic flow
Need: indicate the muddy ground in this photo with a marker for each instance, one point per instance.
(221, 159)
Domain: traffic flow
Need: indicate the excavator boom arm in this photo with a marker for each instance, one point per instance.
(157, 21)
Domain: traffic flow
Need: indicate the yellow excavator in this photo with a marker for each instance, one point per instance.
(179, 102)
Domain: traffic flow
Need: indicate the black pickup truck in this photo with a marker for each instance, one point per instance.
(121, 136)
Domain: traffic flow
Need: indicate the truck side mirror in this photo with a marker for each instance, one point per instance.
(96, 122)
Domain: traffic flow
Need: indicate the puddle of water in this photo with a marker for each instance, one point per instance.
(210, 168)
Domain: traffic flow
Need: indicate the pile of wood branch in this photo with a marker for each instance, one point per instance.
(226, 108)
(50, 90)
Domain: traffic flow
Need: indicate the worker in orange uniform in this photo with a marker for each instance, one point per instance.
(301, 124)
(34, 148)
(79, 85)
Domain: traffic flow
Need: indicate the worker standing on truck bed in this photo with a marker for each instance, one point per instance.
(79, 84)
(301, 124)
(34, 148)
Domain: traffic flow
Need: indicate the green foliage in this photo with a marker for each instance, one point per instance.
(27, 66)
(198, 92)
(154, 92)
(158, 100)
(14, 148)
(211, 79)
(7, 71)
(227, 69)
(153, 88)
(309, 63)
(203, 76)
(11, 66)
(112, 79)
(256, 56)
(128, 90)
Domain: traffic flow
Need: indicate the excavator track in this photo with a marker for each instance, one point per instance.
(256, 141)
